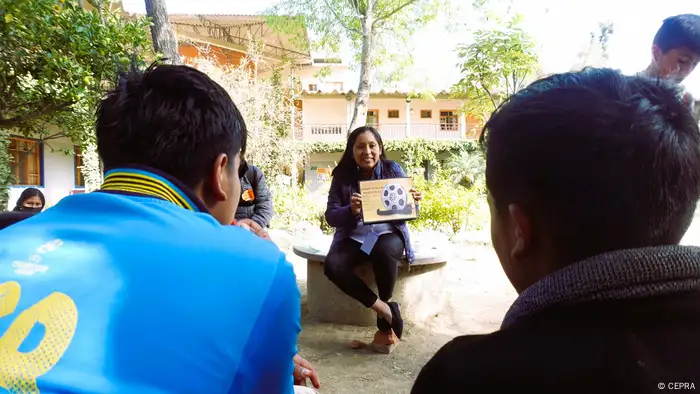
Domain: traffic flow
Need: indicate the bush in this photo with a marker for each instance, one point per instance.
(295, 204)
(449, 207)
(446, 207)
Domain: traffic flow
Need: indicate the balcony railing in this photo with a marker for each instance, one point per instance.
(336, 132)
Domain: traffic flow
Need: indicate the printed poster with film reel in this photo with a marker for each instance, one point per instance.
(387, 200)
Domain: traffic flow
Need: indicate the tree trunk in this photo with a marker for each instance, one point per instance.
(164, 40)
(359, 115)
(5, 171)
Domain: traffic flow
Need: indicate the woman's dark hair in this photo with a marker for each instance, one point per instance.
(347, 167)
(26, 195)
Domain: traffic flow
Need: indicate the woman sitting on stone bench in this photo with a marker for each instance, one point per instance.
(354, 242)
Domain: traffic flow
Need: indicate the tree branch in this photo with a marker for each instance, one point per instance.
(488, 93)
(19, 120)
(395, 11)
(339, 19)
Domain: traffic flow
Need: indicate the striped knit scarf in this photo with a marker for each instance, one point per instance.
(619, 275)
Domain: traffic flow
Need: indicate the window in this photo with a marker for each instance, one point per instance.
(25, 160)
(313, 87)
(372, 117)
(333, 86)
(393, 114)
(449, 120)
(78, 167)
(426, 114)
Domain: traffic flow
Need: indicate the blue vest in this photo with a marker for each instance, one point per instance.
(137, 289)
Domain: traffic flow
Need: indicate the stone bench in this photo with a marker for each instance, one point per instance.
(419, 290)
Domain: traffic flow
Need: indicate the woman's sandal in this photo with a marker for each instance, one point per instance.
(396, 320)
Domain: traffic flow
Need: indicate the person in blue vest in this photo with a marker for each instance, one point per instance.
(143, 286)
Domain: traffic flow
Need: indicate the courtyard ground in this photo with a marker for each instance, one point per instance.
(479, 295)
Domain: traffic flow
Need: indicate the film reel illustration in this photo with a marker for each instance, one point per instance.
(395, 201)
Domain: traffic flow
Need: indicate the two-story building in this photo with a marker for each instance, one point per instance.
(325, 103)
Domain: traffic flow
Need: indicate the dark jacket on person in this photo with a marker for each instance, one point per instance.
(621, 322)
(338, 211)
(261, 208)
(7, 219)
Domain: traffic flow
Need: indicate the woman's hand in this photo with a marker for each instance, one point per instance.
(356, 203)
(417, 196)
(304, 370)
(253, 227)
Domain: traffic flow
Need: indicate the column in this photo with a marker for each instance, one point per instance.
(408, 117)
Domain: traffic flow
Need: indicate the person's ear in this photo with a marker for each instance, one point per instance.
(218, 178)
(656, 53)
(522, 228)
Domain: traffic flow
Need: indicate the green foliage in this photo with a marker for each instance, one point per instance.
(336, 24)
(56, 59)
(450, 207)
(495, 66)
(414, 151)
(467, 168)
(295, 204)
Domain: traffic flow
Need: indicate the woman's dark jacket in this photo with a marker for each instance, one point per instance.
(339, 214)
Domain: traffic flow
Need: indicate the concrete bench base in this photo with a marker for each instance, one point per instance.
(420, 292)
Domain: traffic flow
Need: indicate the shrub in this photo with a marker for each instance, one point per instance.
(450, 207)
(295, 204)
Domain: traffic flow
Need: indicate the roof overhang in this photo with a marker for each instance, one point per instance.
(238, 32)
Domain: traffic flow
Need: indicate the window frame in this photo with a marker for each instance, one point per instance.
(389, 111)
(453, 126)
(429, 111)
(39, 152)
(375, 125)
(77, 171)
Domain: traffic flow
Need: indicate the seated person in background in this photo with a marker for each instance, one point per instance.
(29, 203)
(593, 179)
(31, 200)
(138, 286)
(364, 158)
(255, 205)
(676, 50)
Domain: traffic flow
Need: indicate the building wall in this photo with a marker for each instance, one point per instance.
(334, 109)
(58, 174)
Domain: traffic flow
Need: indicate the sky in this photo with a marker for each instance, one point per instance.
(561, 29)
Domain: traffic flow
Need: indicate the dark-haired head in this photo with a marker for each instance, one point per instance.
(177, 120)
(363, 151)
(31, 200)
(676, 49)
(584, 163)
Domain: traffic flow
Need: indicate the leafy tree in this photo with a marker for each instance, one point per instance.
(377, 31)
(56, 60)
(496, 65)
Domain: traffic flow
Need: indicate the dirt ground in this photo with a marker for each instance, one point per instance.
(479, 295)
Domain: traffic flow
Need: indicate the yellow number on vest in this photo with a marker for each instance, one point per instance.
(59, 316)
